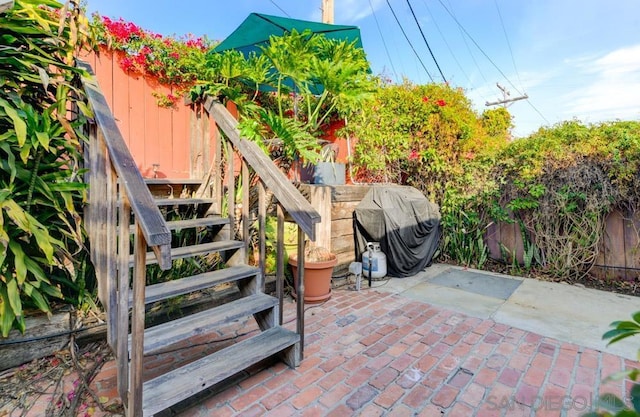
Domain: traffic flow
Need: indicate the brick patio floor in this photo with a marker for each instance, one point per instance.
(369, 353)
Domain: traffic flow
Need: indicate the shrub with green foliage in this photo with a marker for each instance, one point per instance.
(41, 238)
(429, 137)
(562, 181)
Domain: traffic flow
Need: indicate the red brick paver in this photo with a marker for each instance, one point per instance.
(369, 353)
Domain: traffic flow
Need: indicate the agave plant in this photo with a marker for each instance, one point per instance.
(40, 185)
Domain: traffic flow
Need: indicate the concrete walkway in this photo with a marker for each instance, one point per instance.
(570, 313)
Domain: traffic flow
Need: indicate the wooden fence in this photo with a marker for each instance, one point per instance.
(619, 255)
(155, 135)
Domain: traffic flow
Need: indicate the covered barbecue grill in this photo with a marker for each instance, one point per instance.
(405, 223)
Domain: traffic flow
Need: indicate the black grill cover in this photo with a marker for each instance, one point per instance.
(405, 223)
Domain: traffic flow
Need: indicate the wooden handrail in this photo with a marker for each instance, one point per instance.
(283, 190)
(146, 212)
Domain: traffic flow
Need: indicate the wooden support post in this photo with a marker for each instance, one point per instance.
(231, 189)
(300, 292)
(122, 317)
(262, 224)
(246, 188)
(280, 261)
(110, 246)
(320, 199)
(137, 323)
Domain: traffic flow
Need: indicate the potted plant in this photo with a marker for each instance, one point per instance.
(327, 171)
(318, 269)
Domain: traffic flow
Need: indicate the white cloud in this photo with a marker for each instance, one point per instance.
(351, 11)
(612, 90)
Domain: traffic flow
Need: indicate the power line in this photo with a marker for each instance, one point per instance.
(473, 58)
(409, 41)
(383, 41)
(425, 41)
(279, 8)
(479, 48)
(435, 23)
(538, 111)
(504, 30)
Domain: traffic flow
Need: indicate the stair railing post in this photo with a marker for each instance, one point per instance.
(246, 188)
(231, 189)
(137, 323)
(262, 237)
(110, 247)
(280, 261)
(300, 292)
(122, 319)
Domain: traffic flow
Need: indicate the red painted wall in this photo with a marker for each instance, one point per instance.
(154, 134)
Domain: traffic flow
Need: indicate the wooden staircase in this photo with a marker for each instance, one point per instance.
(121, 206)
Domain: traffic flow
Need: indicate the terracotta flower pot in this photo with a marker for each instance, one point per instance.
(317, 279)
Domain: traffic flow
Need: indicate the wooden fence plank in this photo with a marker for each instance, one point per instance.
(614, 245)
(136, 116)
(152, 152)
(120, 102)
(180, 117)
(632, 246)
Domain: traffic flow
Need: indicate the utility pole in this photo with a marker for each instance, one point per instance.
(327, 11)
(506, 100)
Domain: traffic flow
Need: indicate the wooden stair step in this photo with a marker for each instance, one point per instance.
(164, 335)
(176, 287)
(193, 223)
(194, 250)
(166, 390)
(198, 222)
(173, 181)
(182, 201)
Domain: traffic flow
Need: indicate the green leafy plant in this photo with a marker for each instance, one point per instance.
(427, 136)
(41, 193)
(463, 238)
(611, 405)
(306, 81)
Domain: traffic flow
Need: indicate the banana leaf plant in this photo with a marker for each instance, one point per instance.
(41, 192)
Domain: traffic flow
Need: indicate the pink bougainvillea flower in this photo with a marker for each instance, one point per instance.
(126, 64)
(441, 103)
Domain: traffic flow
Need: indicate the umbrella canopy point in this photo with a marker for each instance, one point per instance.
(257, 28)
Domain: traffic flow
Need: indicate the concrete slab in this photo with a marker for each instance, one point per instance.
(565, 312)
(469, 303)
(570, 313)
(490, 285)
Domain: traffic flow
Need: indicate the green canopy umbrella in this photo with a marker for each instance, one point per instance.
(257, 28)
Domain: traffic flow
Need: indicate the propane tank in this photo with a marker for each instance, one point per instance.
(376, 258)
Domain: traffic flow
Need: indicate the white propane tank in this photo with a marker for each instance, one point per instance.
(378, 261)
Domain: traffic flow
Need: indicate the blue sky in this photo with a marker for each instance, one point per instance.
(573, 58)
